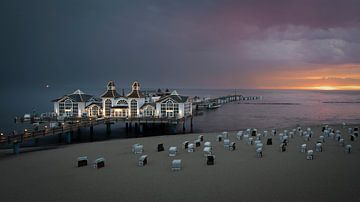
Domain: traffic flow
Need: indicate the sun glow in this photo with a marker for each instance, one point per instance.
(325, 88)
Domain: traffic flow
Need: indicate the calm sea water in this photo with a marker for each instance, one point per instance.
(299, 107)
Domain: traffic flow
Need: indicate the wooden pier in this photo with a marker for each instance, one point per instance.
(223, 100)
(65, 129)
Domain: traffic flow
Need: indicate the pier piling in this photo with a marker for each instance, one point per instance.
(68, 138)
(91, 133)
(16, 147)
(108, 128)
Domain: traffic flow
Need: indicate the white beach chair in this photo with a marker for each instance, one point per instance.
(322, 138)
(82, 161)
(232, 146)
(99, 163)
(257, 142)
(246, 138)
(207, 151)
(307, 137)
(291, 134)
(332, 135)
(286, 132)
(226, 143)
(225, 135)
(266, 133)
(143, 160)
(250, 141)
(281, 135)
(337, 137)
(342, 142)
(176, 165)
(348, 149)
(318, 147)
(259, 145)
(172, 151)
(191, 148)
(201, 138)
(239, 135)
(197, 143)
(310, 155)
(303, 148)
(207, 144)
(282, 147)
(259, 152)
(138, 148)
(185, 144)
(258, 136)
(350, 130)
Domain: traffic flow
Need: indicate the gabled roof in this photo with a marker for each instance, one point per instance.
(111, 94)
(174, 96)
(135, 94)
(77, 96)
(148, 104)
(99, 104)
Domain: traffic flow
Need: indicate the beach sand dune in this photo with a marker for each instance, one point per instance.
(51, 175)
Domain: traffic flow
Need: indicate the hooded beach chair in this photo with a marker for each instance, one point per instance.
(207, 151)
(269, 141)
(201, 138)
(232, 146)
(225, 135)
(207, 144)
(318, 147)
(348, 148)
(191, 148)
(342, 142)
(160, 147)
(226, 143)
(137, 148)
(99, 163)
(172, 151)
(176, 165)
(142, 160)
(219, 138)
(82, 161)
(303, 148)
(259, 152)
(197, 143)
(210, 160)
(185, 144)
(239, 135)
(310, 155)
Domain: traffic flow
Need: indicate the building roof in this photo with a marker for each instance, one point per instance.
(77, 96)
(148, 104)
(99, 104)
(111, 94)
(174, 96)
(136, 93)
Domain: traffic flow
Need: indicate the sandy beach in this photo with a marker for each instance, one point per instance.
(51, 175)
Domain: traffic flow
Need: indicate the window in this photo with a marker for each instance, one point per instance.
(122, 102)
(133, 108)
(94, 111)
(75, 110)
(107, 107)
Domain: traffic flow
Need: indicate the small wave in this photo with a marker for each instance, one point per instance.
(342, 102)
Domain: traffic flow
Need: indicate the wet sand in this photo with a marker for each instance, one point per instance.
(51, 175)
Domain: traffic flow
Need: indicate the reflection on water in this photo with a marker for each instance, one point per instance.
(310, 108)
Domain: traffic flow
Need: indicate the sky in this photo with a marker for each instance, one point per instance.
(277, 44)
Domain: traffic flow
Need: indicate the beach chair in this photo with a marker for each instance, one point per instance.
(269, 141)
(259, 152)
(176, 165)
(348, 148)
(258, 136)
(210, 160)
(342, 142)
(246, 138)
(259, 145)
(142, 160)
(232, 146)
(254, 132)
(337, 137)
(273, 132)
(307, 137)
(332, 135)
(285, 140)
(257, 142)
(356, 129)
(201, 138)
(160, 147)
(219, 138)
(226, 143)
(239, 135)
(318, 147)
(197, 143)
(207, 144)
(291, 134)
(303, 148)
(352, 137)
(265, 133)
(310, 155)
(356, 134)
(99, 163)
(185, 144)
(82, 161)
(191, 148)
(282, 147)
(350, 130)
(250, 141)
(286, 132)
(137, 148)
(207, 151)
(172, 151)
(281, 135)
(225, 135)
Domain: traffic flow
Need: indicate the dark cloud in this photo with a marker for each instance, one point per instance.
(172, 43)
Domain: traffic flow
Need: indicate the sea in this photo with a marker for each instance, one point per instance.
(276, 109)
